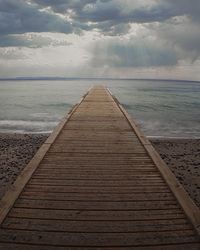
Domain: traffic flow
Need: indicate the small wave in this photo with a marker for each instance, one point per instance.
(163, 107)
(39, 114)
(64, 104)
(44, 117)
(22, 126)
(139, 107)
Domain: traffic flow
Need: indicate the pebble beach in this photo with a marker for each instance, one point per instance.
(183, 158)
(181, 155)
(16, 150)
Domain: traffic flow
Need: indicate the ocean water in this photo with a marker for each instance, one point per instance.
(161, 108)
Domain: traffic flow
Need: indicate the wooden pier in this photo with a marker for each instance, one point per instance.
(97, 183)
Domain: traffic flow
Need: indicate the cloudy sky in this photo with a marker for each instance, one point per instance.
(103, 38)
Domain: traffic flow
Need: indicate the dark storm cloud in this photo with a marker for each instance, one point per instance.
(18, 17)
(109, 15)
(62, 6)
(105, 14)
(132, 54)
(122, 13)
(99, 11)
(190, 8)
(115, 13)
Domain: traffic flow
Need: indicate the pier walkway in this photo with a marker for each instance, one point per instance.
(97, 183)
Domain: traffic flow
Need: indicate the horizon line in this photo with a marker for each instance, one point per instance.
(89, 78)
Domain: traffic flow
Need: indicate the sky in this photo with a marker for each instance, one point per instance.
(100, 38)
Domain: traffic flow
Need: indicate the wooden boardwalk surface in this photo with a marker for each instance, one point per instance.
(98, 183)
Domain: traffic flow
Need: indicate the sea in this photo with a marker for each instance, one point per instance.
(162, 108)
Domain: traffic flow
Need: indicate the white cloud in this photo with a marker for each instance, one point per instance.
(134, 52)
(12, 54)
(182, 34)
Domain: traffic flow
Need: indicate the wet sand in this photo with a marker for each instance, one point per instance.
(181, 155)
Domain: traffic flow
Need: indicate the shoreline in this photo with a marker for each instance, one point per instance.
(180, 154)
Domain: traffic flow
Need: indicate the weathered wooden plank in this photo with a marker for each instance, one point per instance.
(97, 105)
(114, 112)
(103, 150)
(106, 167)
(64, 175)
(92, 174)
(94, 179)
(95, 114)
(83, 157)
(97, 196)
(98, 126)
(100, 183)
(79, 116)
(99, 158)
(95, 171)
(77, 135)
(89, 156)
(92, 189)
(94, 205)
(97, 239)
(182, 246)
(140, 162)
(96, 143)
(103, 106)
(95, 176)
(107, 226)
(100, 144)
(102, 164)
(85, 117)
(95, 139)
(170, 216)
